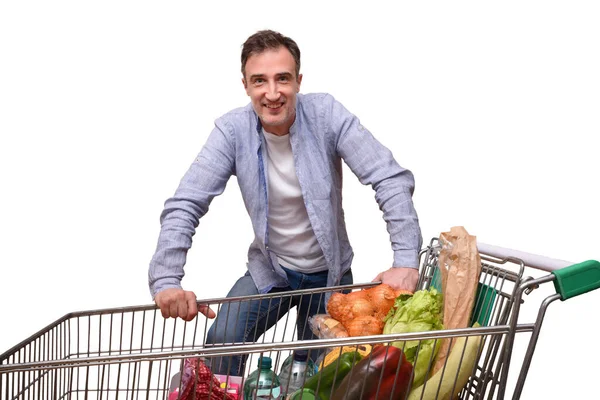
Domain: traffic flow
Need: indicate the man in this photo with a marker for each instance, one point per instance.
(285, 149)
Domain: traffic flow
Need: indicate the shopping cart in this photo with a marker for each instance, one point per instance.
(134, 353)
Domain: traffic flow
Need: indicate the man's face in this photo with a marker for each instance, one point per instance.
(271, 83)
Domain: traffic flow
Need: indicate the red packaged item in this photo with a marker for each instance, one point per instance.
(198, 382)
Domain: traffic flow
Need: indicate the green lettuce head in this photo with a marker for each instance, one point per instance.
(420, 312)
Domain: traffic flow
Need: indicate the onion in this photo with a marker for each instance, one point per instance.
(361, 307)
(365, 325)
(382, 297)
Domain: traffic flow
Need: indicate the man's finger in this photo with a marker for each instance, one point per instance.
(182, 308)
(173, 309)
(192, 307)
(164, 310)
(206, 310)
(163, 306)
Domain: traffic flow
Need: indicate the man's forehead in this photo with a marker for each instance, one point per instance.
(265, 59)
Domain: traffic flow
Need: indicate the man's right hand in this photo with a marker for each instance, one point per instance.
(180, 303)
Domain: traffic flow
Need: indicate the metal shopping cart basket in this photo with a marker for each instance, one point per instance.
(134, 353)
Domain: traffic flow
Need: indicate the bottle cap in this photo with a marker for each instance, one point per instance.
(300, 355)
(264, 362)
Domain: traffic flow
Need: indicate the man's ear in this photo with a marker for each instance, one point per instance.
(299, 80)
(245, 86)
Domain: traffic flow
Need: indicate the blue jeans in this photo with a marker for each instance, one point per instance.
(246, 321)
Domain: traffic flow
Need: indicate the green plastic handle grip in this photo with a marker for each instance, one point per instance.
(577, 279)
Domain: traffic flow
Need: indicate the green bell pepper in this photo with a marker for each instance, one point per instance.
(329, 378)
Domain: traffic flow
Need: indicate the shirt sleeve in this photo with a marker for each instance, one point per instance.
(206, 178)
(375, 165)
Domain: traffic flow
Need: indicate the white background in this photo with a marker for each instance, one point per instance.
(103, 106)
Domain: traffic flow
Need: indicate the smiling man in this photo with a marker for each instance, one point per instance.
(286, 150)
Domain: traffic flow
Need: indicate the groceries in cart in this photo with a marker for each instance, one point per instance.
(412, 363)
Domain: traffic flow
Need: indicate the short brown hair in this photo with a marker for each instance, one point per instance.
(267, 40)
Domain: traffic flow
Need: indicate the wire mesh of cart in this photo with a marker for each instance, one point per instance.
(135, 353)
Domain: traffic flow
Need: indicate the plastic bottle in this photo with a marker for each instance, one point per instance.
(262, 383)
(294, 371)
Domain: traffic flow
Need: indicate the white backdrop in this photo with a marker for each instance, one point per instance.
(103, 106)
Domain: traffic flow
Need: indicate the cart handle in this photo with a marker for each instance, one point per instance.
(577, 279)
(570, 279)
(531, 260)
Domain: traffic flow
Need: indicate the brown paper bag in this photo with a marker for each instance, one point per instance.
(460, 266)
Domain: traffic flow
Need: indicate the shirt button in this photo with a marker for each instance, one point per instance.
(267, 247)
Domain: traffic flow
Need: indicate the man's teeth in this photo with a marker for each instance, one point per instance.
(272, 105)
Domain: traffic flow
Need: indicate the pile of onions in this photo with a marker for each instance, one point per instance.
(361, 312)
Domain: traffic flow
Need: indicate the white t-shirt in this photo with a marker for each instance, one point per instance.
(291, 236)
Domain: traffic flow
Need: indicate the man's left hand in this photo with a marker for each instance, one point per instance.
(400, 278)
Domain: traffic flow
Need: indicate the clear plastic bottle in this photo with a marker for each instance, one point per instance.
(262, 383)
(294, 372)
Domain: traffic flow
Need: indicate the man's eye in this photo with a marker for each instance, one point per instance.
(259, 81)
(283, 79)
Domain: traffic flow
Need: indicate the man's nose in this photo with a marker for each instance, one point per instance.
(272, 92)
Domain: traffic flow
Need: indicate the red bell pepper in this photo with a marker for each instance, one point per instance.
(384, 374)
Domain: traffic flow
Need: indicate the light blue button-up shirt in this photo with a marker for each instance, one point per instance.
(323, 134)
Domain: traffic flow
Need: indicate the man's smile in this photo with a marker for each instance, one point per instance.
(274, 106)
